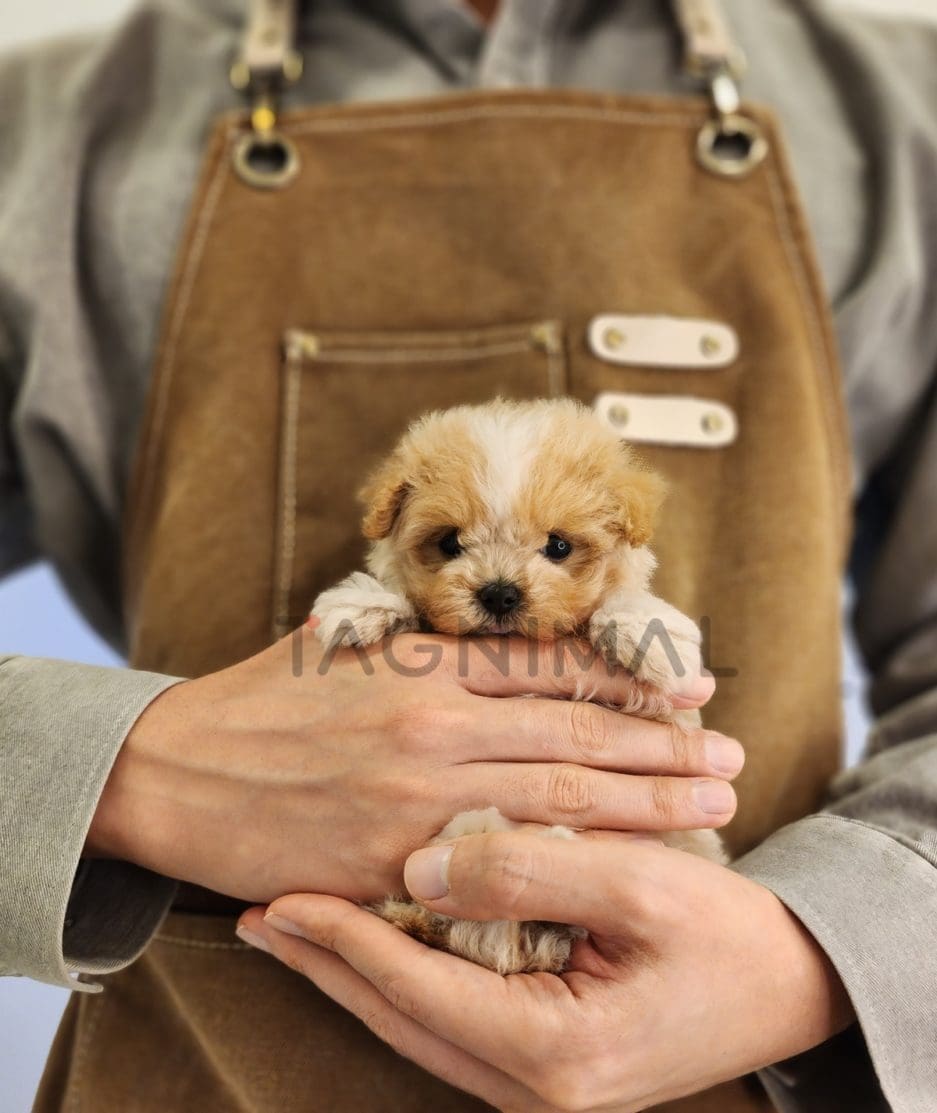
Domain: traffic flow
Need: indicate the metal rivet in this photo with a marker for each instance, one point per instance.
(614, 338)
(713, 422)
(618, 414)
(710, 346)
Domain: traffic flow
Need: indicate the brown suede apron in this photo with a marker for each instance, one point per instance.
(417, 255)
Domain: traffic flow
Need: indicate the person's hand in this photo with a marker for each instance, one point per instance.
(256, 782)
(691, 975)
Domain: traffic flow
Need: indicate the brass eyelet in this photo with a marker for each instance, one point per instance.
(731, 146)
(265, 160)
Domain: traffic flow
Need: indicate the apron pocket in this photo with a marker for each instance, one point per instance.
(346, 399)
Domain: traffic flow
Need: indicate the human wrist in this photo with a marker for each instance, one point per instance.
(816, 1003)
(133, 819)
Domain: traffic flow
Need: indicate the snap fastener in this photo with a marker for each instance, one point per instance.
(618, 414)
(614, 339)
(713, 423)
(710, 346)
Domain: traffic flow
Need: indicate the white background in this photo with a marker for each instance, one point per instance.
(36, 619)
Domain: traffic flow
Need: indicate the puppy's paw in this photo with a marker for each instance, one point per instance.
(500, 945)
(430, 928)
(704, 843)
(484, 821)
(653, 640)
(361, 611)
(505, 946)
(508, 947)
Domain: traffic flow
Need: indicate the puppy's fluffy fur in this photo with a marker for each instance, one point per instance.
(547, 509)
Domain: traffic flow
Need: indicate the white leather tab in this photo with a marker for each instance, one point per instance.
(680, 342)
(668, 419)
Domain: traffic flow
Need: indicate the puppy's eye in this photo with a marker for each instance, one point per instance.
(556, 548)
(449, 544)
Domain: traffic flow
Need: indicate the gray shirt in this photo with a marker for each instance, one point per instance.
(101, 141)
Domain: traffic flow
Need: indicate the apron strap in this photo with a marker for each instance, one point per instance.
(267, 59)
(707, 38)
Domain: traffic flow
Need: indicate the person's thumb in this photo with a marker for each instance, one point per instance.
(521, 875)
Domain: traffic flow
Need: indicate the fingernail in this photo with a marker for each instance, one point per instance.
(426, 873)
(698, 688)
(725, 755)
(251, 939)
(286, 926)
(714, 797)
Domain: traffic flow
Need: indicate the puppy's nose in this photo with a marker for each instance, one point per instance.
(500, 598)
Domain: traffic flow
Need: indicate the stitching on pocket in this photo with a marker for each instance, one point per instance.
(287, 530)
(556, 363)
(423, 355)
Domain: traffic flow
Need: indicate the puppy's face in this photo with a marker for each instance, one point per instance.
(510, 518)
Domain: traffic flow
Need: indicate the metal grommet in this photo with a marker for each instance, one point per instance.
(731, 146)
(265, 160)
(712, 423)
(710, 346)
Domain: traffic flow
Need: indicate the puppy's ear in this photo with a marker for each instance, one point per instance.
(640, 494)
(383, 496)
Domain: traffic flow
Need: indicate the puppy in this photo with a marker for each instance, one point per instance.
(526, 518)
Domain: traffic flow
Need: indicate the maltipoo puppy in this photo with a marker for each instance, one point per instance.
(526, 518)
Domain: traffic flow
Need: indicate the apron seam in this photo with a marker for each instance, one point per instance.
(187, 282)
(818, 340)
(201, 944)
(73, 1099)
(493, 111)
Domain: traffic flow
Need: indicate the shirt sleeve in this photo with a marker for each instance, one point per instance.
(61, 473)
(862, 876)
(62, 919)
(17, 547)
